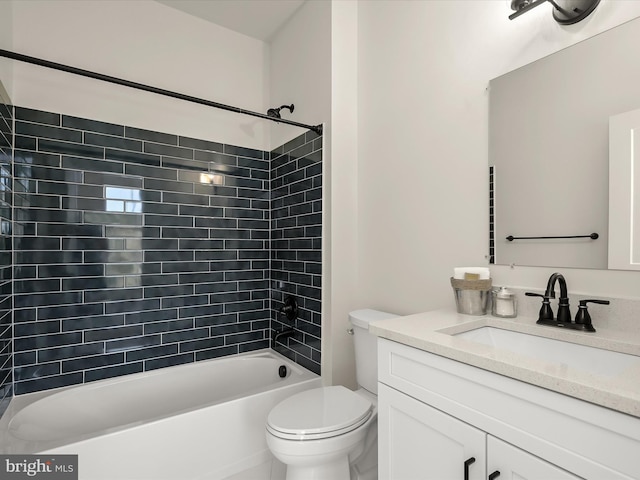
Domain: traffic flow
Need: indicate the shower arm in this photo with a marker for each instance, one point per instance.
(526, 8)
(147, 88)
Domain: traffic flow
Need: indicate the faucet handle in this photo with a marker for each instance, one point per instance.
(290, 308)
(546, 313)
(583, 319)
(593, 300)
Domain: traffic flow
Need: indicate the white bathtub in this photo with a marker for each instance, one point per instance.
(200, 421)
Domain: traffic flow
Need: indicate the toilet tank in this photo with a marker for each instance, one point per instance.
(366, 347)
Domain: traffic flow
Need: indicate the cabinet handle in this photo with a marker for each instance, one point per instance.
(468, 462)
(495, 474)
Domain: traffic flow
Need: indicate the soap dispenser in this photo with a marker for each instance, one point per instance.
(504, 303)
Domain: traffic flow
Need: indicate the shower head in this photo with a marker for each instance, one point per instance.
(275, 112)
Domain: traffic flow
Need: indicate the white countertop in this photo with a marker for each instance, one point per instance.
(433, 332)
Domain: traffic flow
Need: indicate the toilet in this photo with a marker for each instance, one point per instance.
(332, 432)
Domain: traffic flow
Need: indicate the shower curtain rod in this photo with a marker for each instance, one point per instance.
(147, 88)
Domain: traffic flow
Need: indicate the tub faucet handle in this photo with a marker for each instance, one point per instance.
(290, 308)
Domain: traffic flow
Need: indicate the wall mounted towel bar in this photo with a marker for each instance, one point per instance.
(593, 236)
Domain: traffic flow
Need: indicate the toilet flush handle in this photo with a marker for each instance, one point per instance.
(350, 331)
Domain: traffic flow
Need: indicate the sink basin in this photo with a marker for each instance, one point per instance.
(581, 357)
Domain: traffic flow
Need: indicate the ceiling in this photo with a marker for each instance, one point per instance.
(259, 19)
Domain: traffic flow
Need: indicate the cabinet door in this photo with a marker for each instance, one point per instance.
(516, 464)
(418, 442)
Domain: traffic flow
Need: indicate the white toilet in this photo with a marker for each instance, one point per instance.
(331, 433)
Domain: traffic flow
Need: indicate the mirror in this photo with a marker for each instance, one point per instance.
(549, 148)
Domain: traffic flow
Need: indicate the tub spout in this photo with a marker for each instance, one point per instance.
(282, 334)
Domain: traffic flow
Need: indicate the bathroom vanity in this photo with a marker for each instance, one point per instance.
(454, 405)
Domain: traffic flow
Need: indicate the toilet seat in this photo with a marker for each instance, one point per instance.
(319, 413)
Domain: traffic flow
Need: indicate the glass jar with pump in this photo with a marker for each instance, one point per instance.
(504, 303)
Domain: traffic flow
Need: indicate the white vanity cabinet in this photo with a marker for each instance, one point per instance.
(436, 414)
(422, 443)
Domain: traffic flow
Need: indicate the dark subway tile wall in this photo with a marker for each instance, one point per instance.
(6, 187)
(296, 245)
(136, 250)
(492, 231)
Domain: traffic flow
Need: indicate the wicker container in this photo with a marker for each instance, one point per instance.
(472, 296)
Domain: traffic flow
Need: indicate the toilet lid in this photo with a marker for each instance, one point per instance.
(319, 413)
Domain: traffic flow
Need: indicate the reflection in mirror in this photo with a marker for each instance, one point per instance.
(548, 143)
(624, 191)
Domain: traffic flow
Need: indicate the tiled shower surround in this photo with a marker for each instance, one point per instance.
(136, 250)
(296, 245)
(6, 145)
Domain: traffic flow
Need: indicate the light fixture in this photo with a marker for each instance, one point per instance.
(211, 178)
(565, 12)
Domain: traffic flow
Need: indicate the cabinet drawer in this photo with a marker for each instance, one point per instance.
(592, 441)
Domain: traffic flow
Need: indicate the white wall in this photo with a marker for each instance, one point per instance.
(145, 42)
(342, 288)
(6, 39)
(300, 70)
(314, 66)
(422, 137)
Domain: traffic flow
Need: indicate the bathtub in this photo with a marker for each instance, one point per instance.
(200, 421)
